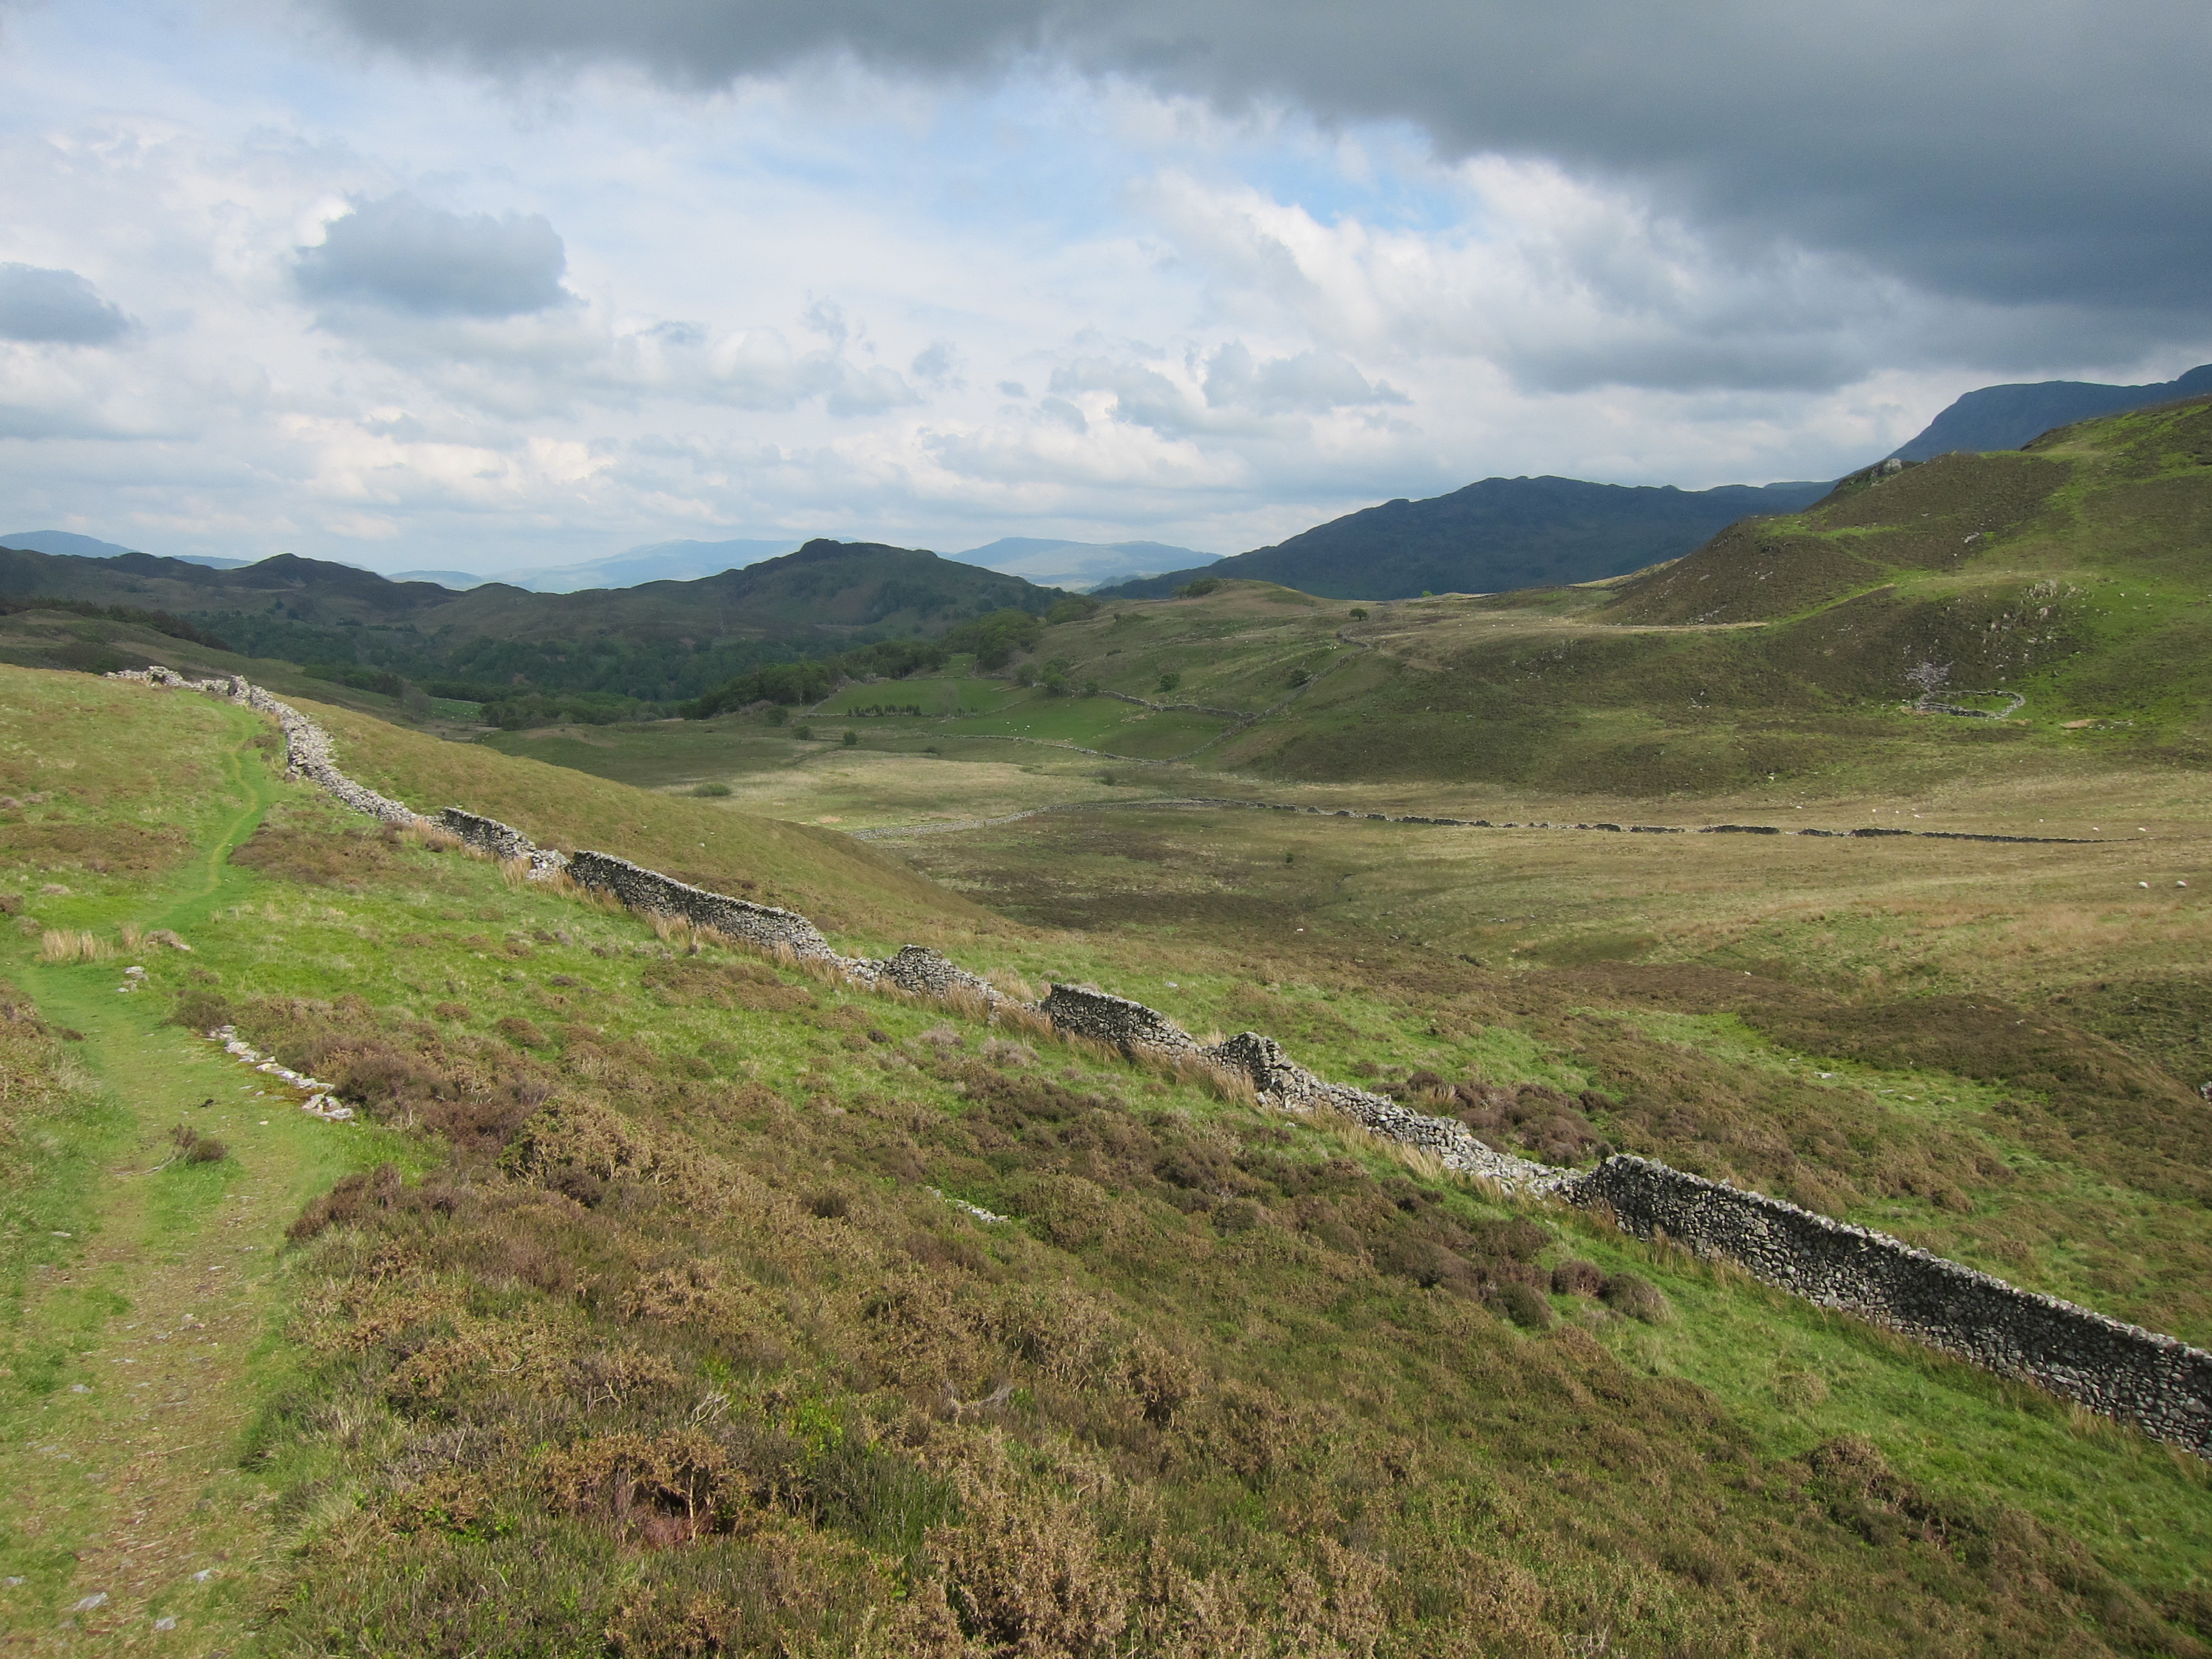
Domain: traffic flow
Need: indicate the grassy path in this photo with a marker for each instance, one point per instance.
(145, 1343)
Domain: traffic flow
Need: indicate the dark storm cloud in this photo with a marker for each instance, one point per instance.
(57, 308)
(403, 255)
(2050, 153)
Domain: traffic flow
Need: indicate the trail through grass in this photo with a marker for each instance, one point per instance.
(143, 1297)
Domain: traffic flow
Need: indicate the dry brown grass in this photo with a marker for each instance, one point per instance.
(65, 945)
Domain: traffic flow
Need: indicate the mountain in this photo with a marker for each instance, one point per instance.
(2011, 416)
(1081, 564)
(87, 547)
(1499, 534)
(659, 641)
(458, 581)
(653, 561)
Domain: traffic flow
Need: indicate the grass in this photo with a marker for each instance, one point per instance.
(671, 1337)
(140, 1303)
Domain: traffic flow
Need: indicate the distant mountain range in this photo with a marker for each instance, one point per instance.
(87, 547)
(1072, 565)
(1497, 535)
(1080, 565)
(2012, 416)
(1492, 537)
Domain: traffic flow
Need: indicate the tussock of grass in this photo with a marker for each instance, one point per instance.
(64, 945)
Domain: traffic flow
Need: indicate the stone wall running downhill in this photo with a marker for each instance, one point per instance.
(2119, 1370)
(306, 745)
(641, 888)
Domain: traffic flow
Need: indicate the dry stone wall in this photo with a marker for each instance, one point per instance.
(306, 745)
(2121, 1370)
(641, 888)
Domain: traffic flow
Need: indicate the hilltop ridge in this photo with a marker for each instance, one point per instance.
(2012, 416)
(1493, 535)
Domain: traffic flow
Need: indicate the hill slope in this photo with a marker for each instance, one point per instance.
(2011, 416)
(2071, 575)
(1498, 534)
(658, 1334)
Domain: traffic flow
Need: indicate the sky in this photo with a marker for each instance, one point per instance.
(493, 285)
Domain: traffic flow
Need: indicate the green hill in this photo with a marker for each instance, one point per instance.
(657, 642)
(2065, 582)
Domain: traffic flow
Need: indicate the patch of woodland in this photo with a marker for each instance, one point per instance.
(687, 1366)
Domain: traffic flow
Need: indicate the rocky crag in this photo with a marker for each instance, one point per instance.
(2122, 1370)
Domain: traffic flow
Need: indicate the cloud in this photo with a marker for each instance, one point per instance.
(57, 308)
(403, 255)
(933, 364)
(1568, 285)
(2038, 156)
(1309, 382)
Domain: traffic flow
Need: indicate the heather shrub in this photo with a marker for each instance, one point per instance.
(1637, 1298)
(1525, 1306)
(1578, 1278)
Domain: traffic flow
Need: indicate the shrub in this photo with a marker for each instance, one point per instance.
(194, 1147)
(710, 791)
(1639, 1299)
(1359, 613)
(1577, 1278)
(1170, 680)
(851, 739)
(352, 1198)
(201, 1011)
(1524, 1305)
